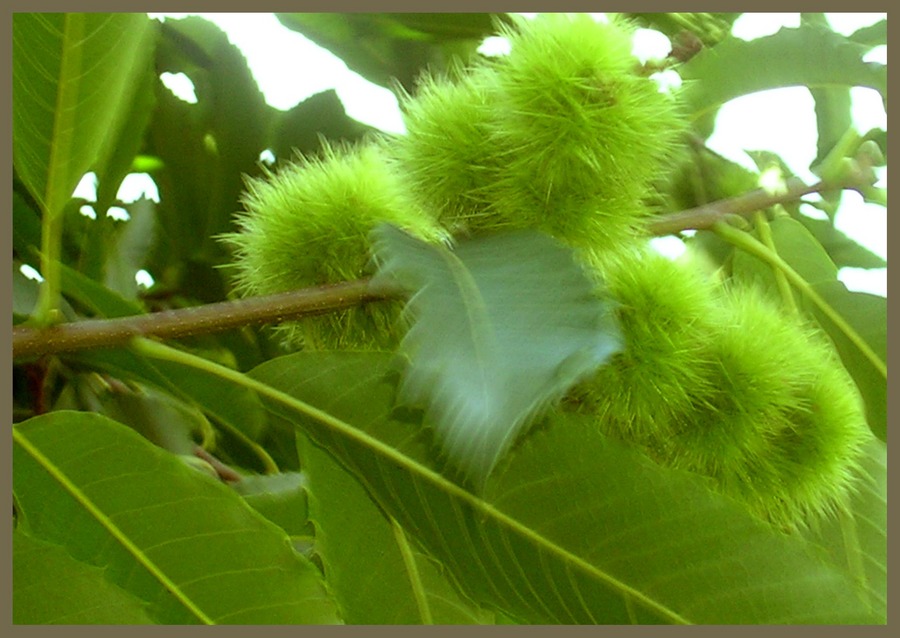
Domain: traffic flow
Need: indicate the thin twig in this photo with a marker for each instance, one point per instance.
(704, 217)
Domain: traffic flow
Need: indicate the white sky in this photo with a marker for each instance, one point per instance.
(781, 121)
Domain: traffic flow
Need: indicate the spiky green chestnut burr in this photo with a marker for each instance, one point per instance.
(780, 424)
(582, 133)
(723, 384)
(308, 224)
(447, 158)
(664, 310)
(562, 135)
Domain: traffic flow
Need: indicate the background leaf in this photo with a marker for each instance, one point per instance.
(502, 326)
(377, 573)
(810, 55)
(73, 81)
(168, 534)
(573, 528)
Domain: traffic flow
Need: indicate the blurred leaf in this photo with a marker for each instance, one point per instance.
(52, 588)
(26, 231)
(867, 314)
(843, 251)
(207, 147)
(574, 528)
(833, 118)
(501, 326)
(858, 540)
(281, 498)
(74, 77)
(797, 247)
(128, 253)
(161, 530)
(811, 56)
(96, 297)
(376, 572)
(873, 35)
(708, 28)
(302, 128)
(388, 47)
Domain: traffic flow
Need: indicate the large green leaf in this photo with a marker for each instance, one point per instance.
(857, 539)
(74, 75)
(51, 587)
(375, 570)
(181, 541)
(573, 528)
(502, 326)
(811, 55)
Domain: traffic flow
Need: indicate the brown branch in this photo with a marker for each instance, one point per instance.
(171, 324)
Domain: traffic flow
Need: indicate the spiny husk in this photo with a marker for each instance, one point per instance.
(561, 136)
(309, 223)
(722, 383)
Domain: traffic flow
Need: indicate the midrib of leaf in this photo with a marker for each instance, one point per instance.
(60, 148)
(476, 310)
(82, 499)
(157, 350)
(412, 570)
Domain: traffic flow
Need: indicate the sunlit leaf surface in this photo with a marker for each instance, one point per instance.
(169, 535)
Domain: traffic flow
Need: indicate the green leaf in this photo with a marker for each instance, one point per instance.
(208, 147)
(857, 539)
(237, 408)
(301, 129)
(281, 498)
(872, 36)
(377, 573)
(73, 80)
(867, 315)
(163, 531)
(810, 55)
(573, 528)
(797, 247)
(52, 588)
(502, 326)
(843, 251)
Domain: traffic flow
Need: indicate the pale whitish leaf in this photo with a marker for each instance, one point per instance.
(184, 543)
(572, 528)
(501, 326)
